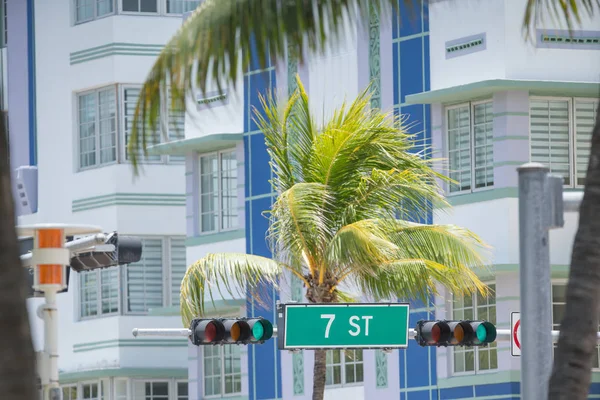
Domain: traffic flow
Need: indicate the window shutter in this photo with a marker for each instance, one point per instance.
(176, 126)
(145, 278)
(585, 116)
(130, 98)
(178, 268)
(549, 140)
(459, 148)
(483, 146)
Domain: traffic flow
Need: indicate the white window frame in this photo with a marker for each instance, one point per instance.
(570, 102)
(168, 381)
(475, 349)
(121, 150)
(471, 106)
(176, 388)
(98, 163)
(110, 386)
(158, 9)
(342, 365)
(572, 133)
(99, 314)
(95, 17)
(161, 10)
(166, 8)
(74, 385)
(218, 229)
(221, 350)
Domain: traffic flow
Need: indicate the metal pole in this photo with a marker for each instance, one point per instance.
(572, 201)
(536, 314)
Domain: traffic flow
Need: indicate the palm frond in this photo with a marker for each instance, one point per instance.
(289, 137)
(568, 10)
(373, 249)
(299, 225)
(222, 36)
(225, 273)
(383, 194)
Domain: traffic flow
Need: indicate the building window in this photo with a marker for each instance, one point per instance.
(88, 10)
(99, 292)
(344, 367)
(153, 282)
(141, 6)
(99, 126)
(182, 390)
(130, 98)
(181, 6)
(151, 390)
(69, 392)
(561, 132)
(218, 191)
(90, 391)
(222, 370)
(475, 307)
(178, 268)
(470, 146)
(161, 266)
(559, 301)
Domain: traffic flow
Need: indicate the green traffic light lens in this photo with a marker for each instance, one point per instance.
(481, 333)
(258, 330)
(486, 332)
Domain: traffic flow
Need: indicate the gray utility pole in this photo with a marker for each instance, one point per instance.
(540, 209)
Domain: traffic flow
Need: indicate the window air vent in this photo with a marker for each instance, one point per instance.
(465, 45)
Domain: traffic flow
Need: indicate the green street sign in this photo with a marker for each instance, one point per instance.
(348, 325)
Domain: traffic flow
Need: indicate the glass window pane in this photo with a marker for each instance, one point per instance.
(148, 5)
(459, 148)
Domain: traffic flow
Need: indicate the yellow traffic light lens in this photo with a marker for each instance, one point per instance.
(235, 331)
(459, 333)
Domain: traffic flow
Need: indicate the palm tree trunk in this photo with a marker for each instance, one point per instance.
(17, 359)
(319, 375)
(577, 343)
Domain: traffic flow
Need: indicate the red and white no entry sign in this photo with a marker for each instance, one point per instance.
(515, 334)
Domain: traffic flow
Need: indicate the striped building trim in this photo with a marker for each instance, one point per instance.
(115, 49)
(128, 199)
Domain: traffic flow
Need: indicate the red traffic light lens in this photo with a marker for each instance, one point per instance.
(210, 332)
(436, 333)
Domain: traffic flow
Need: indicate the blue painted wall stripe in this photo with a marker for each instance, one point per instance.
(31, 75)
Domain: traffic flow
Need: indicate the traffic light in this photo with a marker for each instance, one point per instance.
(206, 331)
(117, 250)
(455, 333)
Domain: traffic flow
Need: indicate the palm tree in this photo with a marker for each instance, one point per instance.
(185, 70)
(17, 369)
(335, 218)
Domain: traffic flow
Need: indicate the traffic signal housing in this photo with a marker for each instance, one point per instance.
(455, 333)
(117, 250)
(211, 331)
